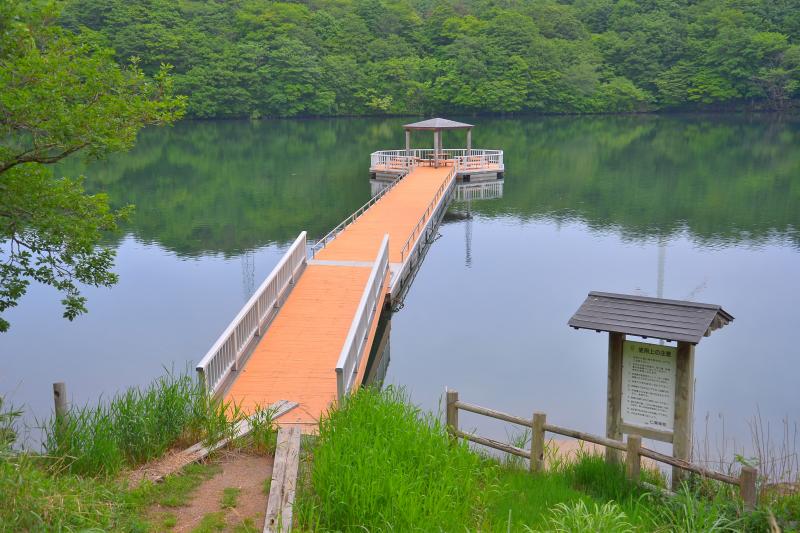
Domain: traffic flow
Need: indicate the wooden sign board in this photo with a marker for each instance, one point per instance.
(648, 386)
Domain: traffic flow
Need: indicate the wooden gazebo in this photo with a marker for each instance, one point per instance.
(437, 125)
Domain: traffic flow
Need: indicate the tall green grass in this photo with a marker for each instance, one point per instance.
(34, 500)
(136, 426)
(381, 464)
(71, 486)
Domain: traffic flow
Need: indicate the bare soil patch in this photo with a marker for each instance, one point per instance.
(239, 470)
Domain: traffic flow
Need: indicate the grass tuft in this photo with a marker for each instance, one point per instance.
(247, 525)
(578, 518)
(211, 522)
(230, 497)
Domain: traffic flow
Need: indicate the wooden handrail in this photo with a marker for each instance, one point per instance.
(538, 425)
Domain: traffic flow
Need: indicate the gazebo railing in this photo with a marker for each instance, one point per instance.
(479, 160)
(394, 160)
(462, 159)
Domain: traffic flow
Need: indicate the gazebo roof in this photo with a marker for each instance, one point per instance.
(438, 124)
(672, 320)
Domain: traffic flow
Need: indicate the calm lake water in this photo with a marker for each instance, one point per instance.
(702, 208)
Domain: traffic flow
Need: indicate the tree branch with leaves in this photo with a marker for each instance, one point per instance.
(62, 93)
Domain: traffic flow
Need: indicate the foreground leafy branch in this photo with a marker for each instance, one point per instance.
(62, 93)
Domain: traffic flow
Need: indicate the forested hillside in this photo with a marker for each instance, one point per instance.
(350, 57)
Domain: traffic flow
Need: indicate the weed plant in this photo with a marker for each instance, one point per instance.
(263, 435)
(35, 500)
(608, 518)
(688, 511)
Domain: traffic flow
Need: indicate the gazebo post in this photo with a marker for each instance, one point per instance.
(408, 142)
(436, 148)
(469, 140)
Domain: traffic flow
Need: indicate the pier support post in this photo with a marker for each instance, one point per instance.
(537, 442)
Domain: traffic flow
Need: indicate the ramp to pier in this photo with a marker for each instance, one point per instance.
(296, 357)
(298, 354)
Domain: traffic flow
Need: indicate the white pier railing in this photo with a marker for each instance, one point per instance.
(422, 224)
(253, 319)
(320, 244)
(355, 343)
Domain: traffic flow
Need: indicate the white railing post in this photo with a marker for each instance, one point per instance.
(340, 388)
(236, 352)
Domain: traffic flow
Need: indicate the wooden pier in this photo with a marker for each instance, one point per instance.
(306, 333)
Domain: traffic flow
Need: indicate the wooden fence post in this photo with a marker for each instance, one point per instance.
(537, 442)
(747, 486)
(60, 401)
(60, 398)
(633, 461)
(452, 412)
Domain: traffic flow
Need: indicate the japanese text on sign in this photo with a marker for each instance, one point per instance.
(648, 385)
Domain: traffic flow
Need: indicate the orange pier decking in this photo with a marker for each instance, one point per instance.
(296, 340)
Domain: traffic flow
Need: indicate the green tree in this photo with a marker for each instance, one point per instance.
(62, 93)
(349, 57)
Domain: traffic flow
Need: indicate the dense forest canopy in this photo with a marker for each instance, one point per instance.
(352, 57)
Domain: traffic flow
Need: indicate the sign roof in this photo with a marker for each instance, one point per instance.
(671, 320)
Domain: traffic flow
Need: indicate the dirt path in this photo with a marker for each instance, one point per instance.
(205, 509)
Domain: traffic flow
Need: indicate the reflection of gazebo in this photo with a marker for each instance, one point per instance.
(437, 125)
